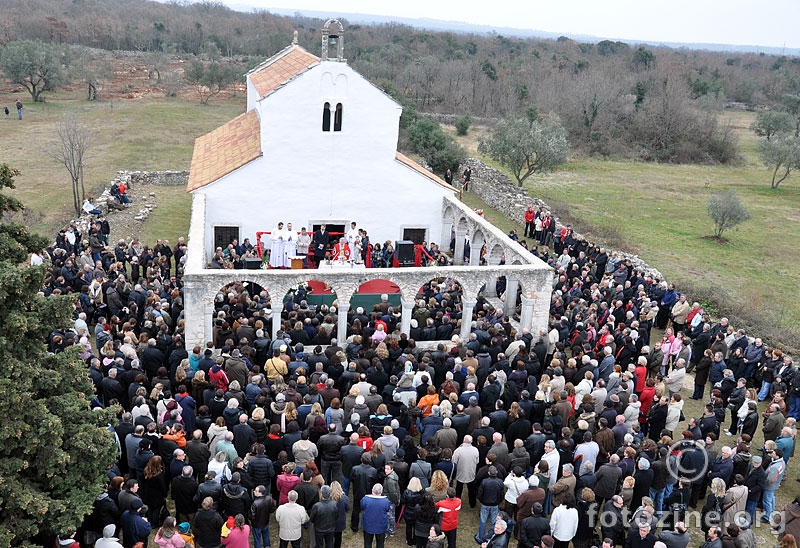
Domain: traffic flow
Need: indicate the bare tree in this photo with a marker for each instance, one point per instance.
(69, 147)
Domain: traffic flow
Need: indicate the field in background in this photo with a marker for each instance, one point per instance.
(129, 134)
(659, 212)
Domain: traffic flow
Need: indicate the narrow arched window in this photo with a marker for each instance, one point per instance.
(326, 117)
(337, 118)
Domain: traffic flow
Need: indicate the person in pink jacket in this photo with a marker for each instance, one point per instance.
(168, 535)
(239, 536)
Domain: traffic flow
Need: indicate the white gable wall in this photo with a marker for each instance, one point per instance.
(306, 175)
(382, 197)
(291, 118)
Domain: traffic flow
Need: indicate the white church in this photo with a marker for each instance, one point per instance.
(318, 145)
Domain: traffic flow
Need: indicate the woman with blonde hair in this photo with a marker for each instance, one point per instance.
(316, 411)
(711, 517)
(410, 498)
(168, 536)
(376, 455)
(342, 506)
(259, 423)
(438, 487)
(546, 387)
(220, 467)
(471, 377)
(627, 491)
(199, 385)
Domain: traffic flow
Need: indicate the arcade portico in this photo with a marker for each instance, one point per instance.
(534, 277)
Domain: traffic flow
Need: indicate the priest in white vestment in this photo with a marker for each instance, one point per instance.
(276, 256)
(289, 246)
(351, 235)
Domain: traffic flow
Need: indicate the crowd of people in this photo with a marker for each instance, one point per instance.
(572, 435)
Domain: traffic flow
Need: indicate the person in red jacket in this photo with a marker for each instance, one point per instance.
(450, 508)
(530, 217)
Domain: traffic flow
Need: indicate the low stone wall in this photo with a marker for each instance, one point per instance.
(450, 119)
(164, 178)
(502, 194)
(144, 200)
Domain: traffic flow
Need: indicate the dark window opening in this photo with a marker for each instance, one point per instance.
(326, 117)
(337, 118)
(416, 235)
(223, 235)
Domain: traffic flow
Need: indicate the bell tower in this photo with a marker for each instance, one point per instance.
(333, 39)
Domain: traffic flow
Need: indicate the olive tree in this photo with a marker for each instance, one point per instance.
(526, 146)
(727, 211)
(781, 156)
(770, 123)
(36, 65)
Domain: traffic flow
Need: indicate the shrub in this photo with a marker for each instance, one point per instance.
(462, 125)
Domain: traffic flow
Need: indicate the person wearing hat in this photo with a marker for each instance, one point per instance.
(644, 478)
(135, 528)
(143, 456)
(236, 368)
(108, 540)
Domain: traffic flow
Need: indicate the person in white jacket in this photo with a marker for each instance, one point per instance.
(584, 388)
(564, 521)
(674, 412)
(674, 380)
(631, 412)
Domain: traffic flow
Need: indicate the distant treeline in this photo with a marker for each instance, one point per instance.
(614, 99)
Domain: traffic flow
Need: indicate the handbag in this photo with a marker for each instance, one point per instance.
(164, 513)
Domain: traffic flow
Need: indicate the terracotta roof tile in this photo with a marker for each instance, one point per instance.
(403, 159)
(225, 149)
(280, 69)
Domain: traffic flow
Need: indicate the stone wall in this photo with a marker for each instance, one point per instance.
(164, 178)
(144, 200)
(503, 194)
(450, 119)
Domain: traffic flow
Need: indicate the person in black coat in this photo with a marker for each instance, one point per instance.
(644, 478)
(533, 528)
(260, 468)
(184, 488)
(207, 525)
(235, 498)
(657, 419)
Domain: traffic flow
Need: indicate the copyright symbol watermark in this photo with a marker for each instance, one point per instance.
(687, 459)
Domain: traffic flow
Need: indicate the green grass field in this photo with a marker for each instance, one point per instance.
(129, 134)
(659, 212)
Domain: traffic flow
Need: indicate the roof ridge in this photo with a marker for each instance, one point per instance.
(278, 56)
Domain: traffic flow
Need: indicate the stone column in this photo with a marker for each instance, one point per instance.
(526, 317)
(405, 318)
(458, 253)
(446, 227)
(510, 298)
(208, 323)
(475, 253)
(342, 309)
(541, 311)
(468, 306)
(198, 326)
(277, 310)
